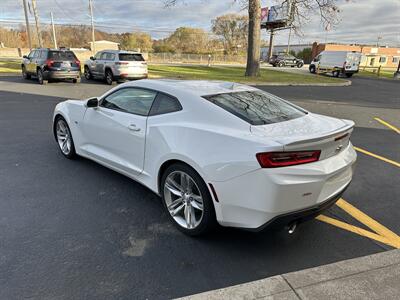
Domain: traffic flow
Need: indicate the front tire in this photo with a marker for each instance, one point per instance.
(300, 65)
(187, 200)
(281, 64)
(25, 75)
(39, 75)
(64, 138)
(312, 69)
(88, 74)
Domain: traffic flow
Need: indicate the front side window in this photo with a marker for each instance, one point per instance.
(98, 54)
(165, 104)
(31, 54)
(104, 56)
(132, 100)
(256, 107)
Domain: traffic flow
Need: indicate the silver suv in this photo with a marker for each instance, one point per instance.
(116, 65)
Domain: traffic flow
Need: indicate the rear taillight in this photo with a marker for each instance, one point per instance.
(78, 62)
(119, 63)
(49, 63)
(285, 159)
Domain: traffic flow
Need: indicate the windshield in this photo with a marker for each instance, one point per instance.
(256, 107)
(131, 57)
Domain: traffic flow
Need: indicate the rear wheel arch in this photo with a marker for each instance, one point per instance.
(166, 164)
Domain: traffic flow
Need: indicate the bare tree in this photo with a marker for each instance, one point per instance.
(254, 41)
(302, 10)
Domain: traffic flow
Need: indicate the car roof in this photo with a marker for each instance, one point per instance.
(120, 51)
(193, 87)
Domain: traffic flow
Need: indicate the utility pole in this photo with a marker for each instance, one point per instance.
(91, 17)
(37, 23)
(54, 31)
(28, 30)
(288, 42)
(271, 44)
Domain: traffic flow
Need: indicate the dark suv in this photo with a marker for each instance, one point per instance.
(47, 64)
(282, 60)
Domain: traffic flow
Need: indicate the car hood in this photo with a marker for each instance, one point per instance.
(306, 128)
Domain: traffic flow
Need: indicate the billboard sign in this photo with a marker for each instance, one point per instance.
(278, 14)
(264, 15)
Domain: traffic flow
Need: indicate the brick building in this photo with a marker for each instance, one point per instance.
(371, 56)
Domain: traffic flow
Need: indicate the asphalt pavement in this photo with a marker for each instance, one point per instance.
(76, 230)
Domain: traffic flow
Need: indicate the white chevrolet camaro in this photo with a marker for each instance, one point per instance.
(216, 152)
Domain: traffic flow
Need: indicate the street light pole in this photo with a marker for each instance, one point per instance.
(39, 34)
(92, 22)
(28, 30)
(54, 31)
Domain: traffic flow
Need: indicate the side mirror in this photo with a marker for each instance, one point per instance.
(25, 56)
(92, 102)
(92, 58)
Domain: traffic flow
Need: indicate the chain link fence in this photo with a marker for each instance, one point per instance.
(196, 58)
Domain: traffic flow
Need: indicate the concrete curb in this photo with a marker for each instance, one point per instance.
(346, 83)
(375, 276)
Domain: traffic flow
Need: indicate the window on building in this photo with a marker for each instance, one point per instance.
(395, 59)
(382, 59)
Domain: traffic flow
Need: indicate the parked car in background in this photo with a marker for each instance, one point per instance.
(46, 64)
(116, 65)
(285, 60)
(336, 62)
(272, 163)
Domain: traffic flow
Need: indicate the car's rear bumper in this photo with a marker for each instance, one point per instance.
(61, 74)
(123, 77)
(256, 198)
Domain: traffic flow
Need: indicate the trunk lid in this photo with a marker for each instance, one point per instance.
(310, 132)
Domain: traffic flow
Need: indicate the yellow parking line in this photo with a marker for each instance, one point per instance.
(387, 125)
(366, 220)
(359, 231)
(395, 163)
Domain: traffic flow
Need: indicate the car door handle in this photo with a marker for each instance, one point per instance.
(133, 127)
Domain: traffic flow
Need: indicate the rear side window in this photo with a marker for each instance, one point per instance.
(256, 107)
(164, 104)
(62, 55)
(130, 57)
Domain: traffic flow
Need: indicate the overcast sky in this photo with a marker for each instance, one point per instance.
(362, 21)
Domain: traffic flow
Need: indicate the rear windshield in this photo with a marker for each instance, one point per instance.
(131, 57)
(62, 55)
(256, 107)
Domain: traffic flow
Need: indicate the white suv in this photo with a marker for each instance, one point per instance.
(116, 65)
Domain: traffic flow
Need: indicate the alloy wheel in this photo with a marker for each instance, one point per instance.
(183, 199)
(63, 137)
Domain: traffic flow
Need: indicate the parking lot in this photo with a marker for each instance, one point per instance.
(74, 229)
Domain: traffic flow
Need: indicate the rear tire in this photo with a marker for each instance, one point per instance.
(281, 64)
(109, 77)
(39, 75)
(336, 73)
(187, 200)
(25, 75)
(300, 65)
